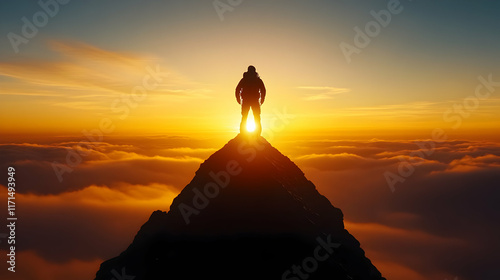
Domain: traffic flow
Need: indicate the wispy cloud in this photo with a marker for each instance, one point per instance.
(322, 93)
(77, 69)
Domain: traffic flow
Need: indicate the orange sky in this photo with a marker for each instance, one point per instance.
(86, 85)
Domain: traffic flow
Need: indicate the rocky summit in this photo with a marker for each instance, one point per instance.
(248, 213)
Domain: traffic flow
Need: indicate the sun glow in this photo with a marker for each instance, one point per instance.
(250, 124)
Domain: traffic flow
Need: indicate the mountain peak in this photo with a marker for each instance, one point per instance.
(247, 204)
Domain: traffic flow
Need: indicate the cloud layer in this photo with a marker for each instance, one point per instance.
(439, 222)
(440, 219)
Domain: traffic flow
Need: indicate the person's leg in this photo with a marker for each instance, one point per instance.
(256, 117)
(245, 107)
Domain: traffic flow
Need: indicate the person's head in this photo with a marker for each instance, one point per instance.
(251, 73)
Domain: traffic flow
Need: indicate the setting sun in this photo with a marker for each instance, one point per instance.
(250, 124)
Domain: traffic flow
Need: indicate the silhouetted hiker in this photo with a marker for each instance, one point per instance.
(250, 93)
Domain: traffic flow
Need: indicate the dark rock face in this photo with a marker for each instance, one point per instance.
(248, 213)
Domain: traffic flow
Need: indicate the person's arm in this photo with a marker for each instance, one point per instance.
(262, 92)
(238, 91)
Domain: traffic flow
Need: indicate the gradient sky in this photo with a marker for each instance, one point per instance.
(92, 52)
(342, 119)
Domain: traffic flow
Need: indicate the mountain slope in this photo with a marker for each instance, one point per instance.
(248, 213)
